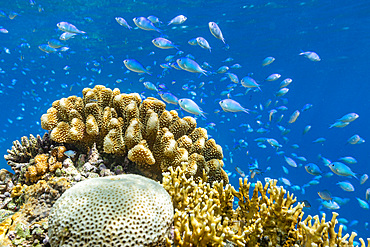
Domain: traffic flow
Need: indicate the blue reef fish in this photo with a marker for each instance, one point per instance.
(145, 24)
(311, 56)
(216, 31)
(70, 153)
(190, 106)
(190, 65)
(135, 66)
(363, 178)
(240, 171)
(285, 82)
(68, 27)
(202, 42)
(66, 36)
(349, 160)
(193, 41)
(249, 82)
(290, 161)
(362, 203)
(319, 140)
(268, 61)
(313, 169)
(274, 143)
(325, 195)
(150, 86)
(354, 139)
(294, 117)
(46, 48)
(169, 98)
(54, 43)
(339, 124)
(306, 129)
(282, 92)
(346, 186)
(178, 20)
(350, 117)
(153, 19)
(234, 78)
(164, 43)
(341, 169)
(236, 66)
(332, 205)
(367, 194)
(222, 69)
(123, 22)
(306, 107)
(229, 105)
(273, 77)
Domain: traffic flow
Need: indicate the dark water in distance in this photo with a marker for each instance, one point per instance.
(337, 30)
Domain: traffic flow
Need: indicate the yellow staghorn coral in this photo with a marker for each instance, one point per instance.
(120, 123)
(266, 215)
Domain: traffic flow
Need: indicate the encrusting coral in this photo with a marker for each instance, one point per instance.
(204, 215)
(144, 131)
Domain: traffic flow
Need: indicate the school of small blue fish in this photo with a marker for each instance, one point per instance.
(218, 90)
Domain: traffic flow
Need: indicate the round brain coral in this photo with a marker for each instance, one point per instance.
(124, 210)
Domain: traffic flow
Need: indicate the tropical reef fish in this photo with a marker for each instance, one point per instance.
(178, 20)
(339, 124)
(68, 27)
(229, 105)
(70, 153)
(169, 98)
(313, 169)
(66, 36)
(46, 48)
(332, 205)
(123, 22)
(190, 65)
(341, 169)
(350, 117)
(285, 82)
(54, 43)
(363, 178)
(290, 161)
(150, 86)
(362, 203)
(311, 55)
(325, 195)
(153, 19)
(249, 82)
(294, 117)
(190, 106)
(216, 31)
(346, 186)
(145, 24)
(163, 43)
(240, 171)
(135, 66)
(348, 160)
(267, 61)
(273, 77)
(202, 42)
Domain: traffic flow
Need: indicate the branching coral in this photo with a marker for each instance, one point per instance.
(268, 217)
(144, 131)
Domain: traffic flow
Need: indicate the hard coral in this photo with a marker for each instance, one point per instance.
(204, 215)
(144, 131)
(123, 210)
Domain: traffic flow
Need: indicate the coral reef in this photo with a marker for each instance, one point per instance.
(151, 137)
(123, 210)
(204, 215)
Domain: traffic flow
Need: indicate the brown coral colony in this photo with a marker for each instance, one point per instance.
(144, 131)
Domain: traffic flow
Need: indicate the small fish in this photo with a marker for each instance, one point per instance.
(193, 41)
(190, 106)
(54, 43)
(330, 205)
(350, 117)
(3, 30)
(367, 194)
(268, 61)
(282, 92)
(319, 140)
(363, 178)
(240, 171)
(313, 169)
(354, 139)
(70, 153)
(68, 27)
(150, 86)
(290, 161)
(135, 66)
(46, 48)
(169, 98)
(273, 77)
(234, 78)
(311, 55)
(202, 42)
(229, 105)
(306, 107)
(306, 129)
(66, 36)
(164, 43)
(294, 117)
(285, 82)
(271, 113)
(362, 203)
(123, 22)
(339, 124)
(178, 20)
(190, 65)
(306, 204)
(235, 66)
(341, 169)
(325, 195)
(348, 160)
(274, 143)
(249, 82)
(153, 19)
(346, 186)
(216, 31)
(145, 24)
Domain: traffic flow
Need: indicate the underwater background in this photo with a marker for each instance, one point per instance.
(338, 31)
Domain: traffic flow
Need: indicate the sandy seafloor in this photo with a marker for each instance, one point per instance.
(30, 79)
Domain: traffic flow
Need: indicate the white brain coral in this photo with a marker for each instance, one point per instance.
(124, 210)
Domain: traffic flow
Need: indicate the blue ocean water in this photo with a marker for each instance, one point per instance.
(30, 79)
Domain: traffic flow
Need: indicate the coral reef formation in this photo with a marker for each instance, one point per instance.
(143, 131)
(204, 216)
(123, 210)
(107, 133)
